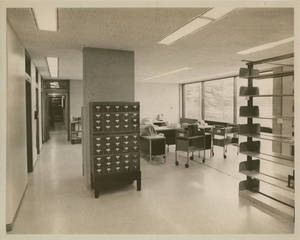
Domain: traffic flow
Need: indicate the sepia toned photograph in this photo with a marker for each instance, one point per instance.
(149, 120)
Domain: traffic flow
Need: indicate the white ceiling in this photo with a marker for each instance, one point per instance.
(209, 52)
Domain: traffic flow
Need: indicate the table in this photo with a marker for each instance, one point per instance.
(170, 134)
(189, 145)
(154, 145)
(208, 130)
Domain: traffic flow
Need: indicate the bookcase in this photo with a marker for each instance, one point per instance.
(251, 168)
(76, 130)
(115, 143)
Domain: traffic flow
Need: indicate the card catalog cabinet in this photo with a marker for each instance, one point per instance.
(115, 142)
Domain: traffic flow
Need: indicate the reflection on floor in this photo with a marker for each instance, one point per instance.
(173, 200)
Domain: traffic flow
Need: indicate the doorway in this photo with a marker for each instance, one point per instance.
(37, 119)
(57, 114)
(28, 126)
(55, 107)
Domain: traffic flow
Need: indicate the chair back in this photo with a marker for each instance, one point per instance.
(150, 131)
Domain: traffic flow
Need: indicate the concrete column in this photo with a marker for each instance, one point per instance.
(108, 75)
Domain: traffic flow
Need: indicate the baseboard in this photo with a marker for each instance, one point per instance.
(9, 226)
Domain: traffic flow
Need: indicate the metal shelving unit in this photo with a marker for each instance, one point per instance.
(250, 188)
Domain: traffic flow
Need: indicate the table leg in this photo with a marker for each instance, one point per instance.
(176, 161)
(150, 149)
(188, 159)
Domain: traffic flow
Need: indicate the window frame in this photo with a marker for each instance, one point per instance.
(230, 77)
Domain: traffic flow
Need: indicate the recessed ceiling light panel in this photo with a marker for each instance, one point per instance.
(218, 12)
(53, 66)
(266, 46)
(187, 29)
(46, 18)
(169, 73)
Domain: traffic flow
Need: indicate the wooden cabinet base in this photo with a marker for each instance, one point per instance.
(110, 181)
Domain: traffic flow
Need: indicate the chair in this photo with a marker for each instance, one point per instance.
(153, 144)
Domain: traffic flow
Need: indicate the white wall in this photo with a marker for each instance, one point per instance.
(158, 98)
(16, 163)
(76, 98)
(40, 111)
(33, 108)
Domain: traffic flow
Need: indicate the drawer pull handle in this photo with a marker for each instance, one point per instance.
(107, 138)
(117, 162)
(107, 144)
(108, 169)
(98, 164)
(98, 150)
(126, 161)
(107, 115)
(117, 120)
(97, 107)
(108, 163)
(98, 170)
(126, 156)
(117, 157)
(107, 107)
(97, 127)
(97, 115)
(117, 149)
(117, 143)
(125, 106)
(108, 158)
(98, 139)
(127, 167)
(98, 144)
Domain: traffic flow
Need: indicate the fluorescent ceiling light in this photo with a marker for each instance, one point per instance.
(189, 28)
(196, 24)
(54, 85)
(266, 46)
(46, 18)
(169, 73)
(217, 12)
(53, 66)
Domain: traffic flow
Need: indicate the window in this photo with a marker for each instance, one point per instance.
(218, 99)
(193, 101)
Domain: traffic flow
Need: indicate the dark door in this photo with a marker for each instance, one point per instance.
(29, 127)
(36, 115)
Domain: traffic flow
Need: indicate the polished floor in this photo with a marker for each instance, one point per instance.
(202, 199)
